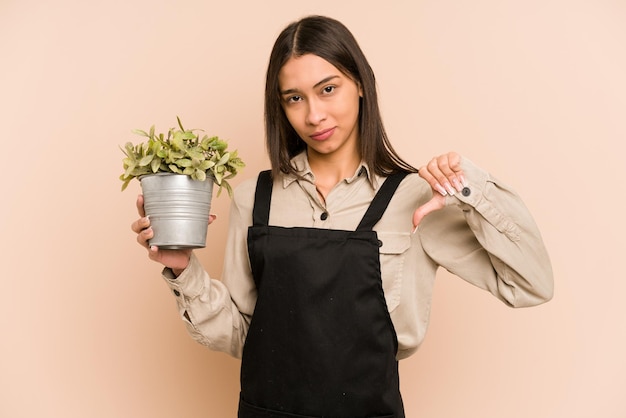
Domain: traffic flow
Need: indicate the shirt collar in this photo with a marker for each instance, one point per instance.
(301, 163)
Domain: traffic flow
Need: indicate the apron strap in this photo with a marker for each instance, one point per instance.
(262, 199)
(380, 202)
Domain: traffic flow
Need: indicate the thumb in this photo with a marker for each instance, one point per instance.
(436, 203)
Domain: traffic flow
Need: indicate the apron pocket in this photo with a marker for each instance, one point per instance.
(392, 255)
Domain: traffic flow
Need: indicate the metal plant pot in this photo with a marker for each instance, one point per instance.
(178, 207)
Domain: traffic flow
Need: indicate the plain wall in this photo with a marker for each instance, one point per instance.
(532, 90)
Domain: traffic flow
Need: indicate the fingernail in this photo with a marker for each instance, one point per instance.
(463, 181)
(450, 189)
(441, 190)
(153, 248)
(457, 185)
(415, 229)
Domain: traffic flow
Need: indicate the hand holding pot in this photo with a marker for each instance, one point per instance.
(177, 260)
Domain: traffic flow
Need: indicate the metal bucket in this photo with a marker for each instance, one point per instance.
(178, 207)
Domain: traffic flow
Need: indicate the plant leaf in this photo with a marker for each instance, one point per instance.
(177, 141)
(224, 159)
(188, 135)
(228, 188)
(155, 164)
(146, 160)
(140, 132)
(205, 165)
(200, 175)
(195, 154)
(183, 162)
(129, 170)
(218, 177)
(125, 184)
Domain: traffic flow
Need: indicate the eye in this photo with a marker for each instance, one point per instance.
(293, 99)
(328, 89)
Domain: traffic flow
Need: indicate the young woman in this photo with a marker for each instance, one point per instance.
(331, 256)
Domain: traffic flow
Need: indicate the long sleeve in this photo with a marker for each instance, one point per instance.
(217, 313)
(488, 237)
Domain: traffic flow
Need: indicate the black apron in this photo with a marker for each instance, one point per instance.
(321, 342)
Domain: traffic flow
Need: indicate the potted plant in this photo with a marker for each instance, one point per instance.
(177, 172)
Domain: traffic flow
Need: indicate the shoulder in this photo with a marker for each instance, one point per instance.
(414, 180)
(413, 190)
(243, 194)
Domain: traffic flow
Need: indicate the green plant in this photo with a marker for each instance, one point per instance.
(183, 152)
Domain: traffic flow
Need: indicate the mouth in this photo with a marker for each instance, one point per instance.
(322, 135)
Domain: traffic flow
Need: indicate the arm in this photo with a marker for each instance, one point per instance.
(207, 306)
(488, 237)
(217, 313)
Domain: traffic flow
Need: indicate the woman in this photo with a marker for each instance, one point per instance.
(331, 256)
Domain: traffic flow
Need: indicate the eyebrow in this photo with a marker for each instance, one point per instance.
(319, 83)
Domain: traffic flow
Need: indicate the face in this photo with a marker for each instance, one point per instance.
(322, 105)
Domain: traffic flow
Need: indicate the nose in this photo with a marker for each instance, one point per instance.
(316, 112)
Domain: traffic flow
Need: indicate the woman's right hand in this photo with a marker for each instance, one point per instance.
(177, 260)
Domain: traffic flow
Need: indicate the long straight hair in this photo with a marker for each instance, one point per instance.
(331, 40)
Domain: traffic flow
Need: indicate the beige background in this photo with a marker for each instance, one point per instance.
(532, 90)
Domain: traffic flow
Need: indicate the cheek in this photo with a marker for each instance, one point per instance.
(351, 110)
(295, 118)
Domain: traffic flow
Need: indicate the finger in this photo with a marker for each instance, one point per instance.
(174, 259)
(424, 172)
(450, 166)
(436, 203)
(154, 254)
(144, 236)
(439, 168)
(140, 207)
(140, 224)
(158, 255)
(454, 161)
(446, 172)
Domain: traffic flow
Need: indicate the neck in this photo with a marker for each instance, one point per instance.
(330, 170)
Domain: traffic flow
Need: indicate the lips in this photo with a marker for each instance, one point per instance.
(322, 135)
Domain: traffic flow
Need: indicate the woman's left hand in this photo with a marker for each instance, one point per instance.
(445, 176)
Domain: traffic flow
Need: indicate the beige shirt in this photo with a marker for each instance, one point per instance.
(487, 238)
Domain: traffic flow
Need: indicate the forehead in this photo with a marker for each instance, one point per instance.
(305, 71)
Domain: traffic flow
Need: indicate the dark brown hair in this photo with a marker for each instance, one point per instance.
(331, 40)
